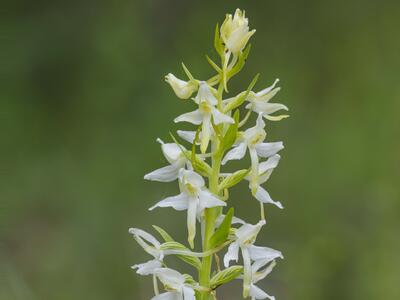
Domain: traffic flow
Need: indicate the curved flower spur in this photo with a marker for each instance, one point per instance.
(218, 137)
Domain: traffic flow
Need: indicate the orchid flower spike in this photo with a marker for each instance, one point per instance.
(252, 139)
(150, 244)
(205, 114)
(175, 283)
(182, 89)
(177, 159)
(194, 198)
(259, 103)
(221, 134)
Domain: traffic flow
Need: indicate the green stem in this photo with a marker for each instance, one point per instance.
(211, 214)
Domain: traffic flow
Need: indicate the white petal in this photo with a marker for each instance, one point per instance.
(170, 277)
(147, 268)
(268, 149)
(178, 202)
(165, 174)
(235, 153)
(260, 275)
(191, 177)
(221, 118)
(271, 163)
(172, 152)
(264, 253)
(268, 89)
(248, 232)
(231, 254)
(194, 117)
(168, 296)
(141, 234)
(187, 135)
(235, 220)
(268, 108)
(207, 200)
(263, 196)
(205, 94)
(257, 293)
(188, 293)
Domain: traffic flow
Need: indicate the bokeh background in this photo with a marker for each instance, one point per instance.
(83, 101)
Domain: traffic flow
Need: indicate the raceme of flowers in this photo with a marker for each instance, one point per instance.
(224, 129)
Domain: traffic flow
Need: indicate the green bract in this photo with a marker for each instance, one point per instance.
(195, 160)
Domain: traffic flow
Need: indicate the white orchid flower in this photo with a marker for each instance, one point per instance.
(252, 139)
(264, 172)
(245, 238)
(235, 31)
(177, 159)
(194, 198)
(175, 282)
(256, 275)
(204, 114)
(150, 244)
(259, 103)
(183, 89)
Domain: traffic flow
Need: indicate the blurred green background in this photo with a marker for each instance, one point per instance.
(83, 100)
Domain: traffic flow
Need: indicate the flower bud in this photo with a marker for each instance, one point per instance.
(183, 89)
(235, 31)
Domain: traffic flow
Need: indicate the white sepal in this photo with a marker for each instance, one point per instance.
(194, 117)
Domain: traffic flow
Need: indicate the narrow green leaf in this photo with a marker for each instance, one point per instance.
(217, 41)
(163, 234)
(187, 72)
(199, 165)
(225, 276)
(252, 84)
(213, 64)
(233, 179)
(230, 135)
(191, 260)
(241, 97)
(221, 234)
(240, 64)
